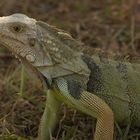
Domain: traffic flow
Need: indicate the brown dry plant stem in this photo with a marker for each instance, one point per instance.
(22, 81)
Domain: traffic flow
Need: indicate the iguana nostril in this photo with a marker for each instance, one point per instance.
(30, 58)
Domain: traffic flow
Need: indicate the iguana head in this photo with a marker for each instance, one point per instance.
(41, 45)
(16, 36)
(19, 34)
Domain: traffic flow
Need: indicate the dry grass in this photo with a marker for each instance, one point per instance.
(111, 26)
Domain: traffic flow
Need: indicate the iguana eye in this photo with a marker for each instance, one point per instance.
(17, 28)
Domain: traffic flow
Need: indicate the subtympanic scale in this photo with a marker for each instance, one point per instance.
(30, 58)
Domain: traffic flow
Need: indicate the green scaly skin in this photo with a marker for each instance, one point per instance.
(103, 88)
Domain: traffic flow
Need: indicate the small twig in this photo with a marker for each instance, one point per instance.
(22, 81)
(132, 31)
(5, 55)
(60, 123)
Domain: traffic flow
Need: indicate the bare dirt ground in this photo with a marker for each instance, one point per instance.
(113, 25)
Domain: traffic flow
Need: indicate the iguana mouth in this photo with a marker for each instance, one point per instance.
(18, 50)
(11, 38)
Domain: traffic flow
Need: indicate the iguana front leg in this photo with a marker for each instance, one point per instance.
(99, 109)
(92, 105)
(50, 117)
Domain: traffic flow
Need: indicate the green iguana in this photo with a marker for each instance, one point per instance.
(103, 88)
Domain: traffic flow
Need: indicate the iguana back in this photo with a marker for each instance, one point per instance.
(118, 83)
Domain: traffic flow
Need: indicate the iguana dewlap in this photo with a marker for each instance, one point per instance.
(102, 88)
